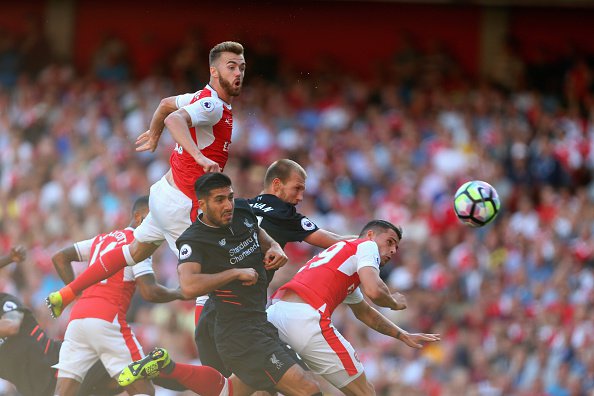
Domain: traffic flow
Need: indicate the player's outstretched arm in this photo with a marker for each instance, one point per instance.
(150, 139)
(324, 238)
(153, 291)
(274, 256)
(63, 263)
(375, 320)
(374, 287)
(194, 283)
(16, 255)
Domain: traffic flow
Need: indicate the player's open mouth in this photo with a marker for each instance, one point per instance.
(237, 83)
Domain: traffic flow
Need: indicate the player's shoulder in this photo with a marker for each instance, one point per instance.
(362, 242)
(208, 100)
(243, 204)
(270, 204)
(8, 303)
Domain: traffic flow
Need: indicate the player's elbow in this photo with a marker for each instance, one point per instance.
(150, 293)
(189, 291)
(167, 105)
(375, 294)
(57, 260)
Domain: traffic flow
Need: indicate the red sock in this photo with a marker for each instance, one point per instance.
(107, 265)
(203, 380)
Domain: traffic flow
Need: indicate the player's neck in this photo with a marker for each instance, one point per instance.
(204, 220)
(220, 92)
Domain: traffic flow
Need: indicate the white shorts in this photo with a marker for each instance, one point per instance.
(88, 340)
(169, 215)
(317, 341)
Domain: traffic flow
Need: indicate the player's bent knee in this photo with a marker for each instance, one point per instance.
(359, 387)
(298, 381)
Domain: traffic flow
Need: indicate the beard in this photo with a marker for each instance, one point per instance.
(229, 88)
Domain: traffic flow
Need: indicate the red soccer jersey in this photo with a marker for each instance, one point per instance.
(111, 297)
(212, 123)
(328, 278)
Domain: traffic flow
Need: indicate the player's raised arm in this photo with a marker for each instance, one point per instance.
(16, 255)
(150, 139)
(324, 238)
(194, 283)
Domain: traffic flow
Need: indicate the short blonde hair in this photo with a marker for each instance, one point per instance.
(282, 169)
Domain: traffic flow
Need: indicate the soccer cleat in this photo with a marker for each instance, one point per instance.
(54, 304)
(147, 367)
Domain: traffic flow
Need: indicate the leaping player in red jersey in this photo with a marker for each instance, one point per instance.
(302, 308)
(201, 124)
(98, 329)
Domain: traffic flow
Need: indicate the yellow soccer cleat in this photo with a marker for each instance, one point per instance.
(147, 367)
(54, 304)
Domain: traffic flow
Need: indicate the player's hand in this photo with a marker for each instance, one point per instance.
(400, 301)
(207, 164)
(414, 340)
(147, 142)
(275, 257)
(18, 254)
(247, 276)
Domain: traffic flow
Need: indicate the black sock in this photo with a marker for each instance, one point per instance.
(169, 368)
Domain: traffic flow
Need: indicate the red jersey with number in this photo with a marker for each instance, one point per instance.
(328, 278)
(109, 299)
(212, 123)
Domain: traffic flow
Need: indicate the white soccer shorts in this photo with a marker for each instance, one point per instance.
(90, 339)
(169, 215)
(317, 341)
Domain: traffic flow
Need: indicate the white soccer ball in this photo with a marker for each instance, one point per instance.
(476, 203)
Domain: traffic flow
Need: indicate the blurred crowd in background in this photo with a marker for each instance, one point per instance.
(513, 301)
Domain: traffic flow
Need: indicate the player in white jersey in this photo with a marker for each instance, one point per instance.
(302, 308)
(201, 124)
(97, 329)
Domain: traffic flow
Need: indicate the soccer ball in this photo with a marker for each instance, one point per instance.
(476, 203)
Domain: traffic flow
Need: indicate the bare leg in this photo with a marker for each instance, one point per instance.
(359, 387)
(66, 387)
(298, 382)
